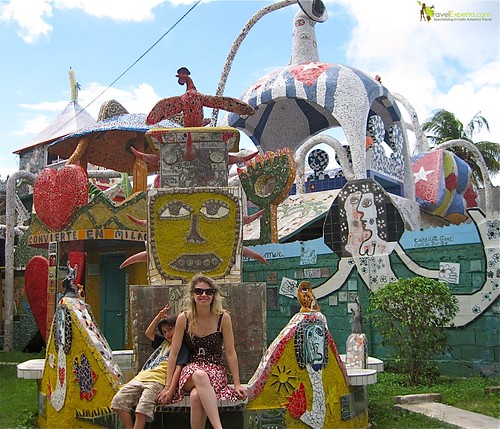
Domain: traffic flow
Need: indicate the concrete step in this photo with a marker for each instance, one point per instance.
(462, 419)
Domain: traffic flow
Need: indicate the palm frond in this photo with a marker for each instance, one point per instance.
(476, 124)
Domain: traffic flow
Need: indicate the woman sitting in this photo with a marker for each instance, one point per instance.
(205, 327)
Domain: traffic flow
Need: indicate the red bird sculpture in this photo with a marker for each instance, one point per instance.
(191, 104)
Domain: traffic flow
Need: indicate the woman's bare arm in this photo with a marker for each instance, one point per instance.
(175, 347)
(231, 356)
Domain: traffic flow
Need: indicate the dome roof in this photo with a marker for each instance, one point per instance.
(295, 102)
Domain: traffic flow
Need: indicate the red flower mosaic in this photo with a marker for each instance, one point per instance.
(297, 402)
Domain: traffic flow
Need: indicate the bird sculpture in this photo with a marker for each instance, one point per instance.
(307, 300)
(191, 104)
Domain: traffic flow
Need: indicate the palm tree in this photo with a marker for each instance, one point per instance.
(444, 126)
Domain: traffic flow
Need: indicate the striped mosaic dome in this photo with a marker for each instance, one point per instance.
(295, 102)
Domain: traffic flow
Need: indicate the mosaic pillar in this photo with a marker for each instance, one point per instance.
(356, 351)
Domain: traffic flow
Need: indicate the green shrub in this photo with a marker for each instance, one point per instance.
(411, 316)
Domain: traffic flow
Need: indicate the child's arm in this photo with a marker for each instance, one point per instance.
(150, 331)
(167, 394)
(175, 348)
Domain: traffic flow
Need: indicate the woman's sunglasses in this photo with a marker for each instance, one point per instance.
(200, 291)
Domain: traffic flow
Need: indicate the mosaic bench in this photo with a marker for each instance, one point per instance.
(176, 415)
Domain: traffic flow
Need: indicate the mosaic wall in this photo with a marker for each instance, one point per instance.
(467, 257)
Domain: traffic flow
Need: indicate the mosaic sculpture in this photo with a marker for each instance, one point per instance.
(35, 283)
(194, 210)
(306, 298)
(80, 376)
(58, 195)
(108, 143)
(267, 180)
(443, 185)
(357, 343)
(301, 381)
(315, 96)
(191, 104)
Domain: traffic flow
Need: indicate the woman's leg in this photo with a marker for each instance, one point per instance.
(198, 415)
(206, 395)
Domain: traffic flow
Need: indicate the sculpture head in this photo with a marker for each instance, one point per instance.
(194, 230)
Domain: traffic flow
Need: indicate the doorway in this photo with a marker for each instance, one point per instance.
(113, 300)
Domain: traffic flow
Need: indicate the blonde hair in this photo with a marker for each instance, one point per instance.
(189, 303)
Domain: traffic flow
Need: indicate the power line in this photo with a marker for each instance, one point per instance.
(145, 53)
(132, 65)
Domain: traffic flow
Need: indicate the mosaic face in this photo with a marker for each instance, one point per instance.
(314, 345)
(362, 221)
(361, 214)
(311, 345)
(195, 231)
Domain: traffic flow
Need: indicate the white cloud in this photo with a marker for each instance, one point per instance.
(33, 125)
(30, 16)
(46, 106)
(33, 16)
(137, 99)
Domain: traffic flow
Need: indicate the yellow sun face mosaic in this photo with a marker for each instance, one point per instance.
(194, 230)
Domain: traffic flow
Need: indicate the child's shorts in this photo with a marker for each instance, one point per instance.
(138, 394)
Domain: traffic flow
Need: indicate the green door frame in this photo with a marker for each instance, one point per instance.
(114, 300)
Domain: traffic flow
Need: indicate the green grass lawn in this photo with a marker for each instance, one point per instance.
(465, 393)
(18, 398)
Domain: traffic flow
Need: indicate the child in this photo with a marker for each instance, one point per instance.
(142, 391)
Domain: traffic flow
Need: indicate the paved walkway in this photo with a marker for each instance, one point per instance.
(455, 416)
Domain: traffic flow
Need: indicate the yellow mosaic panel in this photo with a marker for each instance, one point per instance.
(194, 230)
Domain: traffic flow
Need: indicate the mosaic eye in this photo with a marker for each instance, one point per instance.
(175, 210)
(214, 209)
(366, 203)
(354, 200)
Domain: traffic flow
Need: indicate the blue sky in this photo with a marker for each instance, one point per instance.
(441, 64)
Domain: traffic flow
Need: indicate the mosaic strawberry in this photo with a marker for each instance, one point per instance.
(58, 195)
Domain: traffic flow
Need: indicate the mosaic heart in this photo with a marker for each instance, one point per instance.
(35, 283)
(58, 195)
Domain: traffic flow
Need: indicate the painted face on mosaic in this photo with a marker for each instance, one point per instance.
(361, 214)
(362, 221)
(195, 231)
(314, 345)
